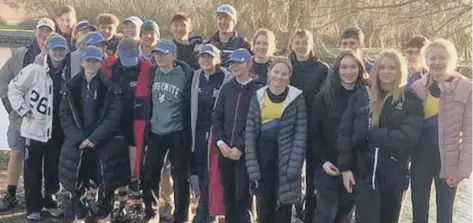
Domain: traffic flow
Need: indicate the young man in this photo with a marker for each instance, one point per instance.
(108, 25)
(20, 58)
(163, 103)
(90, 39)
(309, 74)
(150, 36)
(92, 153)
(34, 95)
(131, 28)
(125, 72)
(228, 127)
(412, 52)
(181, 27)
(354, 39)
(226, 39)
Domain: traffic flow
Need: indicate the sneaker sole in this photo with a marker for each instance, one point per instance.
(51, 214)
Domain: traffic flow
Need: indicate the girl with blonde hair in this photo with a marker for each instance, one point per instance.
(444, 152)
(263, 47)
(378, 131)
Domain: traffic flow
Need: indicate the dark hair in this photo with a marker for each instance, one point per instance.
(107, 19)
(65, 9)
(353, 32)
(416, 42)
(331, 89)
(180, 17)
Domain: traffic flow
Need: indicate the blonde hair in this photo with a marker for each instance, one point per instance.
(448, 47)
(271, 39)
(65, 9)
(397, 93)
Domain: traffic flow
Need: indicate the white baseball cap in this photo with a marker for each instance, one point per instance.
(46, 22)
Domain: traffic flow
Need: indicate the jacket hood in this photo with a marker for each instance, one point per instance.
(291, 95)
(311, 62)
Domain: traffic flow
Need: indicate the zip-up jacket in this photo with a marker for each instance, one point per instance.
(31, 91)
(143, 106)
(195, 98)
(292, 143)
(187, 54)
(112, 152)
(398, 133)
(126, 79)
(235, 42)
(230, 112)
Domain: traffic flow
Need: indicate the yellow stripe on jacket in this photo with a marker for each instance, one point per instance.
(431, 106)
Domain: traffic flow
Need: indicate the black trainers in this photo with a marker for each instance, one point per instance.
(9, 201)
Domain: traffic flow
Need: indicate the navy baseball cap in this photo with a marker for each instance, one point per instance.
(240, 56)
(128, 52)
(56, 41)
(166, 47)
(210, 50)
(84, 24)
(94, 38)
(92, 52)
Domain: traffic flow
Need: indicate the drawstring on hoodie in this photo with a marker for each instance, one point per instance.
(376, 148)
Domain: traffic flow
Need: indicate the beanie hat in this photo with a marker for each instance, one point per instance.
(150, 25)
(227, 10)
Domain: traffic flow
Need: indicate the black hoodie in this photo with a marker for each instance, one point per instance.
(187, 53)
(308, 76)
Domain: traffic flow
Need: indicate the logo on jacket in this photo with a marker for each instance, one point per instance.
(399, 105)
(133, 84)
(215, 93)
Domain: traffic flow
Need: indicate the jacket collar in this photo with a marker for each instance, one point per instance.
(291, 96)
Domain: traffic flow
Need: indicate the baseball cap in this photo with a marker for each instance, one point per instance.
(150, 25)
(46, 22)
(91, 52)
(240, 55)
(227, 10)
(94, 38)
(166, 47)
(56, 41)
(128, 52)
(135, 20)
(84, 24)
(210, 50)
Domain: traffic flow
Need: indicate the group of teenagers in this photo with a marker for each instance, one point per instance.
(91, 110)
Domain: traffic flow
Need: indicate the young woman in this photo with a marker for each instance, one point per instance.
(444, 151)
(308, 75)
(264, 45)
(206, 84)
(378, 130)
(65, 19)
(334, 204)
(228, 128)
(275, 144)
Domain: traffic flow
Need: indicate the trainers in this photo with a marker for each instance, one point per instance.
(9, 201)
(34, 216)
(51, 206)
(54, 212)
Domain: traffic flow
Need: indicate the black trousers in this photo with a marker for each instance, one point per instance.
(41, 158)
(158, 147)
(236, 192)
(200, 166)
(334, 203)
(425, 167)
(310, 199)
(382, 203)
(269, 209)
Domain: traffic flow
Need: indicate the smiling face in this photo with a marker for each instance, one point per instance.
(58, 54)
(387, 71)
(164, 60)
(180, 29)
(302, 46)
(91, 66)
(149, 38)
(225, 23)
(130, 30)
(65, 23)
(351, 44)
(207, 62)
(108, 31)
(437, 60)
(261, 46)
(279, 75)
(240, 69)
(348, 70)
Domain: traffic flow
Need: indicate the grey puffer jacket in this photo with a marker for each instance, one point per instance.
(292, 144)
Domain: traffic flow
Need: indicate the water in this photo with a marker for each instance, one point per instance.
(4, 55)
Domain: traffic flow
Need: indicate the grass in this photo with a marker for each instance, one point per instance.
(14, 28)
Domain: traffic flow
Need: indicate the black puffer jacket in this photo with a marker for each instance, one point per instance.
(230, 112)
(187, 54)
(235, 42)
(399, 129)
(112, 152)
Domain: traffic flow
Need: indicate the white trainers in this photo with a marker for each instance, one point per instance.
(34, 216)
(54, 212)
